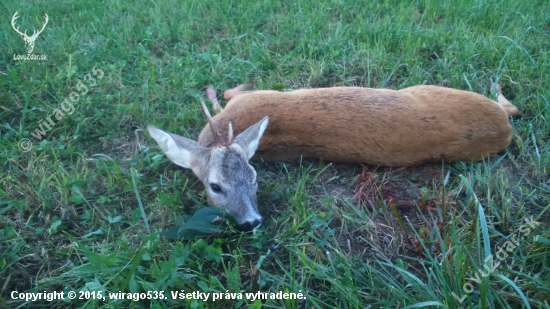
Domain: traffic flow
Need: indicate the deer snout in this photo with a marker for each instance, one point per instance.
(250, 225)
(245, 211)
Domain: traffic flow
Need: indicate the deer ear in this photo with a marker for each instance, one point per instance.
(178, 149)
(249, 139)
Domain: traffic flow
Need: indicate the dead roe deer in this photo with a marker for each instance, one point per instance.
(341, 124)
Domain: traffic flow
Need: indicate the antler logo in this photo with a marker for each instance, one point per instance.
(29, 40)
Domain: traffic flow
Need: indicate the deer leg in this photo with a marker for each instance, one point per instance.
(509, 107)
(213, 96)
(231, 93)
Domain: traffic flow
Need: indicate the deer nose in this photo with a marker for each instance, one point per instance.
(250, 225)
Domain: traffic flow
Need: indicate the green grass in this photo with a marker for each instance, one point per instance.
(85, 209)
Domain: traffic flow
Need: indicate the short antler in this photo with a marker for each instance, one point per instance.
(215, 133)
(230, 136)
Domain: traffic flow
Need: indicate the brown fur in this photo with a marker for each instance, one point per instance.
(374, 126)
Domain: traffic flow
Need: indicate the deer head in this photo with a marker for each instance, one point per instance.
(224, 170)
(29, 40)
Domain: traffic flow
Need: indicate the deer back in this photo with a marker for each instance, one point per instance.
(374, 126)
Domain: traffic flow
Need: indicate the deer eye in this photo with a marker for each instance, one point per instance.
(215, 188)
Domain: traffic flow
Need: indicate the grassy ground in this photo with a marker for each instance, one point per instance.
(86, 207)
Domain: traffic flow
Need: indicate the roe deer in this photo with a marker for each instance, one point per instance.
(341, 124)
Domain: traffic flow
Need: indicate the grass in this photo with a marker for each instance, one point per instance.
(85, 209)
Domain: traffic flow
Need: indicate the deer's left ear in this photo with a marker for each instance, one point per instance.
(249, 139)
(178, 149)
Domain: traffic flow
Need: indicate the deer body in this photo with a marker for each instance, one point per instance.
(342, 124)
(374, 126)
